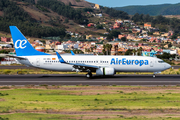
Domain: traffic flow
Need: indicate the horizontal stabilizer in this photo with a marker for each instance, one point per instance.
(72, 53)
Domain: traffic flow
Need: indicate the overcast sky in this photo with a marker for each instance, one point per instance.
(121, 3)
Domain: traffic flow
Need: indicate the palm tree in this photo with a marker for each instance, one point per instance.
(134, 51)
(95, 47)
(116, 49)
(140, 51)
(104, 49)
(110, 47)
(107, 48)
(91, 49)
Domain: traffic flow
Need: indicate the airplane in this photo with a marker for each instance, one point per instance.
(106, 65)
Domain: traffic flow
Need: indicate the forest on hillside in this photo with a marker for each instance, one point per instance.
(14, 15)
(115, 13)
(154, 10)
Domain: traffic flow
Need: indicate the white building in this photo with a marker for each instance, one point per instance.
(173, 52)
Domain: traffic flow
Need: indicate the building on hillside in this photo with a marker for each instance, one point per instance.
(99, 15)
(165, 34)
(147, 25)
(62, 47)
(4, 39)
(173, 52)
(5, 46)
(40, 48)
(156, 33)
(117, 25)
(121, 36)
(127, 21)
(88, 37)
(90, 24)
(96, 6)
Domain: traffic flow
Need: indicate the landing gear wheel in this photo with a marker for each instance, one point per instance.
(89, 75)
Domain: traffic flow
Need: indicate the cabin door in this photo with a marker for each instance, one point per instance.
(151, 63)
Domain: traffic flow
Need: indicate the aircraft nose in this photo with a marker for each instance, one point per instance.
(168, 66)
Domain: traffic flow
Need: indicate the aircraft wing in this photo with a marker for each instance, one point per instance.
(77, 65)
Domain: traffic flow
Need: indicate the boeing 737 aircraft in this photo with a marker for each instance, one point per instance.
(101, 65)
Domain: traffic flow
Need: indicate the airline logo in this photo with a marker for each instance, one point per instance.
(20, 44)
(129, 62)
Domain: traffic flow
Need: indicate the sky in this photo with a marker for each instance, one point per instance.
(122, 3)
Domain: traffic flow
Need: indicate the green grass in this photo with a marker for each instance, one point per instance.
(35, 116)
(62, 102)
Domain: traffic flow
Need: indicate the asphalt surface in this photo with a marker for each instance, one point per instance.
(70, 79)
(25, 67)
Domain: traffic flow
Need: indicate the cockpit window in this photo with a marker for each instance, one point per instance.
(160, 61)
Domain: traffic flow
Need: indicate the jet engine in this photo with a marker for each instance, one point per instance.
(105, 71)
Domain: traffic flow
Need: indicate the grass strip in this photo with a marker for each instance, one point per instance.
(89, 102)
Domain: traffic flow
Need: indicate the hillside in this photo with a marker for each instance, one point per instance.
(154, 10)
(77, 3)
(44, 18)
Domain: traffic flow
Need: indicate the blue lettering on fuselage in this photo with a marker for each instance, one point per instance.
(129, 62)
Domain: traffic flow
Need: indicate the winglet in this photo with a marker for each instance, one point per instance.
(60, 58)
(72, 53)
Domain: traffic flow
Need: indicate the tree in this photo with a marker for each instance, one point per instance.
(134, 51)
(128, 52)
(95, 47)
(109, 37)
(116, 49)
(104, 52)
(91, 49)
(107, 48)
(136, 44)
(66, 20)
(99, 26)
(110, 47)
(67, 36)
(169, 45)
(140, 51)
(124, 39)
(173, 36)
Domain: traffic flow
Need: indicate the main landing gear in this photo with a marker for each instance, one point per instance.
(89, 75)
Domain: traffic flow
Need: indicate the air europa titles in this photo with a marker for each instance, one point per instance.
(123, 61)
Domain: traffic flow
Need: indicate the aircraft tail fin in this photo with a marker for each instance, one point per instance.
(21, 44)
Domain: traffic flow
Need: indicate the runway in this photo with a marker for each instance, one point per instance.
(76, 79)
(25, 67)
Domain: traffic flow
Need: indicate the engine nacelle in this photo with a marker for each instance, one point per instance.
(105, 71)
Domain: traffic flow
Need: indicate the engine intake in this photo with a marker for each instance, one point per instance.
(105, 71)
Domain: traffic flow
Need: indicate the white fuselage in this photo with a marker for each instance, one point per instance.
(119, 63)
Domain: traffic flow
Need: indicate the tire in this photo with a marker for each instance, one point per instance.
(89, 75)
